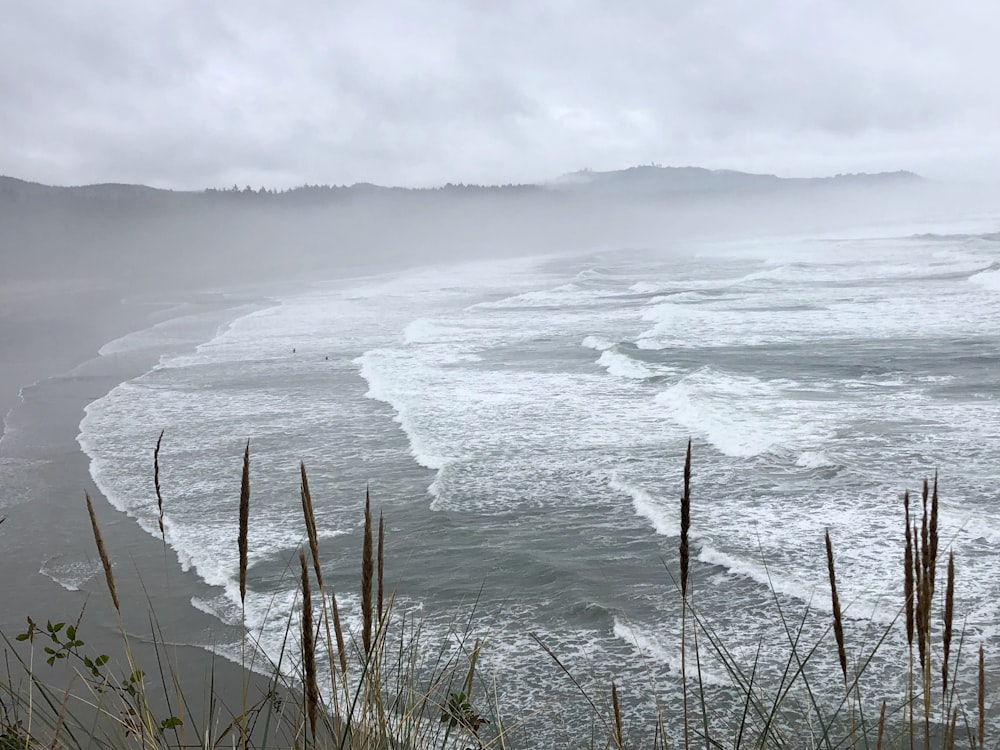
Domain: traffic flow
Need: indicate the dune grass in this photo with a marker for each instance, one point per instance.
(388, 685)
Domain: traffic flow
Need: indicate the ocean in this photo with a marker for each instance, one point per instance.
(522, 424)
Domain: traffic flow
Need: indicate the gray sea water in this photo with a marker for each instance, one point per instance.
(522, 424)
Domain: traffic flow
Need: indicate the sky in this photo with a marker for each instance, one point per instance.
(188, 94)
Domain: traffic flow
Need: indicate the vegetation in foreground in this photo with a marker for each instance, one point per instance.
(386, 686)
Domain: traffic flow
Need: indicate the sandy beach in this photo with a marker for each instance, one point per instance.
(50, 335)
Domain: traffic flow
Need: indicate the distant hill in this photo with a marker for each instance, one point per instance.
(656, 179)
(13, 189)
(11, 186)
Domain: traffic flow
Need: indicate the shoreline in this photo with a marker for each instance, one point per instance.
(82, 349)
(45, 474)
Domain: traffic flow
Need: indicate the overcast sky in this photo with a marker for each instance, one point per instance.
(197, 93)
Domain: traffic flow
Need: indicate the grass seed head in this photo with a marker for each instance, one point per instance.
(103, 552)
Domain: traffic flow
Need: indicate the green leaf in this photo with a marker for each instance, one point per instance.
(101, 660)
(49, 650)
(29, 634)
(22, 637)
(71, 633)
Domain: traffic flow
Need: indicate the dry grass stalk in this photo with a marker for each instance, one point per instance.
(925, 595)
(56, 730)
(341, 650)
(909, 569)
(310, 521)
(685, 521)
(309, 649)
(619, 738)
(244, 522)
(103, 552)
(933, 533)
(908, 572)
(949, 609)
(309, 518)
(950, 738)
(381, 564)
(925, 545)
(918, 570)
(684, 554)
(156, 483)
(838, 625)
(881, 727)
(982, 697)
(470, 674)
(367, 574)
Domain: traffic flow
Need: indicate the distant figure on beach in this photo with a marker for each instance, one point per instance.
(293, 350)
(326, 359)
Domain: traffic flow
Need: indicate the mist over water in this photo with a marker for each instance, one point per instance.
(522, 424)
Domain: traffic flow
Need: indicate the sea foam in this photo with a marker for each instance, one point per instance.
(739, 415)
(623, 366)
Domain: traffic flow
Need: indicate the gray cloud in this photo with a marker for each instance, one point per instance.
(189, 94)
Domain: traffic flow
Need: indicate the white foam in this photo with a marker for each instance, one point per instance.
(645, 287)
(176, 334)
(479, 427)
(559, 295)
(623, 366)
(386, 372)
(220, 607)
(987, 279)
(802, 589)
(650, 343)
(782, 273)
(814, 460)
(70, 574)
(874, 289)
(424, 331)
(590, 274)
(646, 506)
(596, 342)
(652, 646)
(689, 296)
(742, 416)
